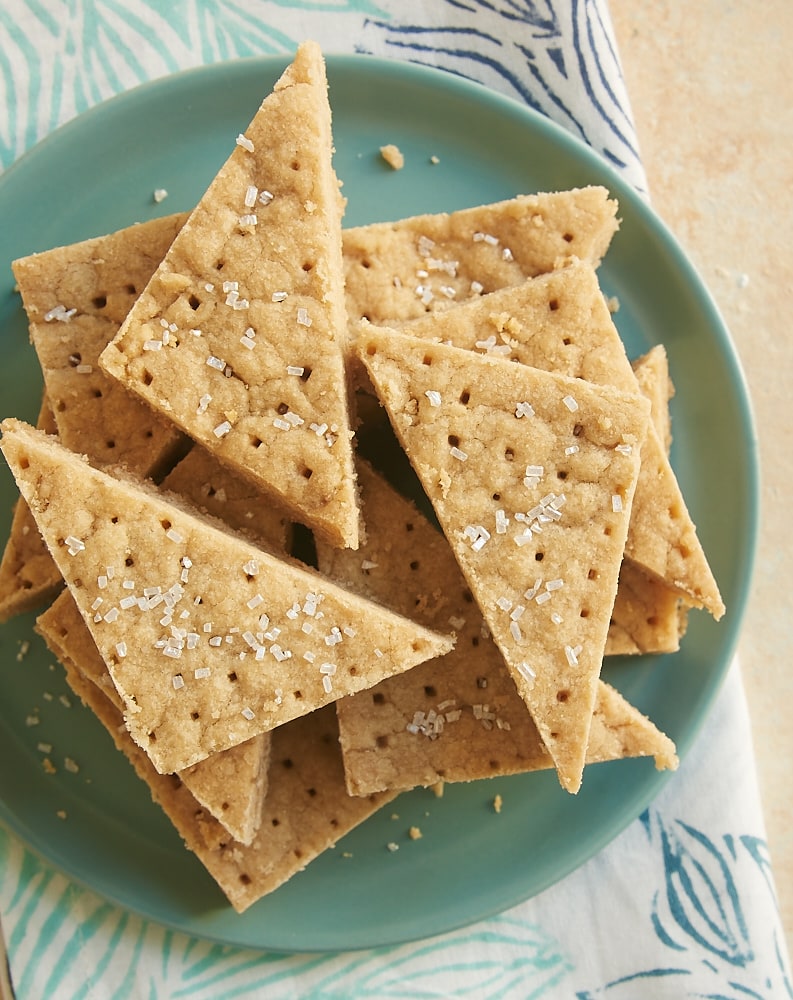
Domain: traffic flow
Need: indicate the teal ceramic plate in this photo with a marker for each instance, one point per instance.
(98, 173)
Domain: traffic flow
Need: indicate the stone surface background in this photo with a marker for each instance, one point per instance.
(712, 96)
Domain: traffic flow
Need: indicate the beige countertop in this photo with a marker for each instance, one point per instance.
(712, 96)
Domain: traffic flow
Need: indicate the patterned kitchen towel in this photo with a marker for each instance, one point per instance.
(60, 57)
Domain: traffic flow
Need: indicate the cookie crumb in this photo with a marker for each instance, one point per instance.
(415, 833)
(393, 156)
(497, 803)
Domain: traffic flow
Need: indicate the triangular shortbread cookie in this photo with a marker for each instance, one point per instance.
(649, 615)
(652, 374)
(218, 490)
(306, 810)
(28, 576)
(460, 717)
(239, 337)
(532, 477)
(663, 539)
(208, 639)
(397, 271)
(230, 784)
(560, 322)
(76, 298)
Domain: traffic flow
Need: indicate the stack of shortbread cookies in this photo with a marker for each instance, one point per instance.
(321, 515)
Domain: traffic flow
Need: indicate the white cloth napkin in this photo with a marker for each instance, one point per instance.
(682, 903)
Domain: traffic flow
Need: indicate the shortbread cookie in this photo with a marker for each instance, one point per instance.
(652, 374)
(239, 337)
(307, 808)
(397, 271)
(230, 784)
(648, 615)
(557, 321)
(560, 322)
(76, 298)
(459, 717)
(208, 639)
(29, 577)
(532, 477)
(663, 539)
(231, 498)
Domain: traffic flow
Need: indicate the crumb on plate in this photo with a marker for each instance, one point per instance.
(393, 156)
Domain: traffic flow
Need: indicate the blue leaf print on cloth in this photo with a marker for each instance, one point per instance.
(559, 59)
(59, 57)
(701, 895)
(697, 914)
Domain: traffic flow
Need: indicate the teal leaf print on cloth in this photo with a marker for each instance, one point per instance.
(698, 916)
(701, 895)
(23, 81)
(69, 944)
(481, 962)
(60, 57)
